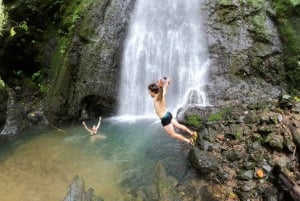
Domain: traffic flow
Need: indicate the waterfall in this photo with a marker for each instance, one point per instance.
(165, 39)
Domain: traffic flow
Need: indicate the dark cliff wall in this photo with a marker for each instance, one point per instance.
(86, 81)
(245, 50)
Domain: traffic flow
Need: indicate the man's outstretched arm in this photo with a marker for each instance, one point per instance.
(166, 85)
(98, 125)
(83, 123)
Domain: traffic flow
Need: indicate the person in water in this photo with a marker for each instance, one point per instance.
(93, 130)
(158, 91)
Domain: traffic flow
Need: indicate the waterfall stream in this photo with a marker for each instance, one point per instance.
(165, 39)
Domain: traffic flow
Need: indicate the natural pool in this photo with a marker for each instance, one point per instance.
(40, 166)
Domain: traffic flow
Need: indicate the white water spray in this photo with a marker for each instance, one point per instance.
(165, 39)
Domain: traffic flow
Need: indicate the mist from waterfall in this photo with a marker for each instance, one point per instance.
(165, 39)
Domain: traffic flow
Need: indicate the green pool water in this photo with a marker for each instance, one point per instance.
(40, 165)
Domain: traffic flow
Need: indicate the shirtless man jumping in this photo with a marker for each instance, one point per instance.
(158, 91)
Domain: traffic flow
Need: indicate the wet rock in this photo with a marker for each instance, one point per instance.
(270, 194)
(3, 103)
(208, 146)
(223, 176)
(246, 175)
(244, 196)
(77, 192)
(285, 101)
(23, 111)
(275, 141)
(248, 185)
(14, 119)
(248, 165)
(232, 155)
(195, 117)
(203, 161)
(165, 184)
(264, 129)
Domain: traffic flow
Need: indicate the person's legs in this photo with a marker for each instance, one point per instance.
(171, 132)
(182, 127)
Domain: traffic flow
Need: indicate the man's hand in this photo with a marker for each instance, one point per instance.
(168, 80)
(160, 83)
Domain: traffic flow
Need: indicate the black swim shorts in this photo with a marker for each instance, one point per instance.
(166, 119)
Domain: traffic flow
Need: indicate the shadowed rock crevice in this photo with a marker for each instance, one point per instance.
(93, 106)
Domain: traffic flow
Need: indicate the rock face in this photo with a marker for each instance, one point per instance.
(3, 103)
(22, 111)
(89, 83)
(245, 51)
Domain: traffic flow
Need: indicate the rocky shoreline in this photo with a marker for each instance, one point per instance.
(244, 152)
(240, 148)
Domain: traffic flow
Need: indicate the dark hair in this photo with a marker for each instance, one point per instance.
(153, 88)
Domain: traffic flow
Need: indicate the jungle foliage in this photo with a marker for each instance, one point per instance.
(288, 22)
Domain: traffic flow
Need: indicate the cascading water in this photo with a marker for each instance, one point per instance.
(164, 39)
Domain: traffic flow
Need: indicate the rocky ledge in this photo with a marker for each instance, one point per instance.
(239, 147)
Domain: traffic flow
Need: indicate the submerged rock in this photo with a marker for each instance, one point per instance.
(77, 192)
(165, 184)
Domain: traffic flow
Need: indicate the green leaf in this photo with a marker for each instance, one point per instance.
(12, 32)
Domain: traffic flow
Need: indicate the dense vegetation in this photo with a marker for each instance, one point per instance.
(30, 28)
(288, 22)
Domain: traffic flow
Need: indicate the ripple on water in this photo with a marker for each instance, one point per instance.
(75, 139)
(115, 163)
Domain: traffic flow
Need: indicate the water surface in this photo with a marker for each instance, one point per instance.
(41, 165)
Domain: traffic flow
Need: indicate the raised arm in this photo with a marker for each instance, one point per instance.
(89, 130)
(161, 93)
(99, 122)
(166, 84)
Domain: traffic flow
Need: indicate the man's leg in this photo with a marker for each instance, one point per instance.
(171, 132)
(182, 127)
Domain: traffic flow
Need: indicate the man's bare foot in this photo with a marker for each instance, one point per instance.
(192, 142)
(195, 136)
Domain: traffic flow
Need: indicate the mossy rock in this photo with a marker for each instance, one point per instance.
(220, 115)
(195, 121)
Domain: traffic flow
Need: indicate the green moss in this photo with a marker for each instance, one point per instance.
(218, 116)
(72, 14)
(195, 121)
(255, 4)
(286, 13)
